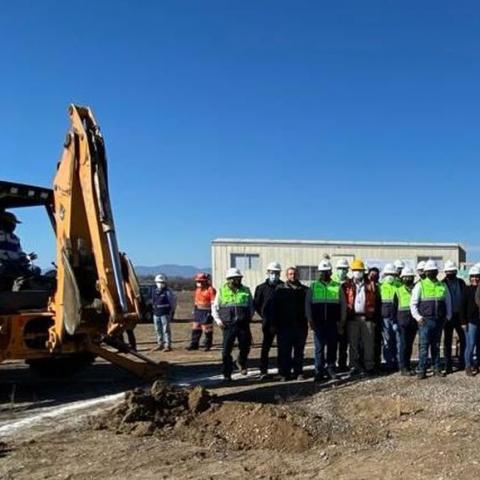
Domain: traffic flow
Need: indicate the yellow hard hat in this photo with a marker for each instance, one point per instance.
(357, 264)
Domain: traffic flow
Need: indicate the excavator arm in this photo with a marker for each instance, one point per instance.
(98, 294)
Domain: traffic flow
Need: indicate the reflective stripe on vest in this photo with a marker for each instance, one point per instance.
(404, 296)
(325, 292)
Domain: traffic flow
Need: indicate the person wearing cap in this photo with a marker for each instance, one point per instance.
(290, 323)
(13, 260)
(261, 301)
(363, 311)
(325, 307)
(407, 325)
(470, 317)
(388, 289)
(430, 305)
(421, 270)
(341, 276)
(204, 296)
(164, 304)
(456, 287)
(233, 311)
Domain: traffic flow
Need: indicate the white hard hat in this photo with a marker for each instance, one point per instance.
(450, 266)
(477, 265)
(233, 273)
(389, 269)
(474, 270)
(274, 267)
(399, 264)
(407, 272)
(421, 266)
(160, 278)
(324, 266)
(343, 263)
(430, 265)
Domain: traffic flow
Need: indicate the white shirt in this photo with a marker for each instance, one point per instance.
(415, 300)
(360, 298)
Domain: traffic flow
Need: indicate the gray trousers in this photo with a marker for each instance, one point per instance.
(361, 340)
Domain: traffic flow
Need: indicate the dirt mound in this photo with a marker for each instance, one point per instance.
(145, 412)
(241, 426)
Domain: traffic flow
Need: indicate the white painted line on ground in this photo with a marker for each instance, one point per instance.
(16, 426)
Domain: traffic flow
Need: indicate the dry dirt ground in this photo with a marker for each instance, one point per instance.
(385, 427)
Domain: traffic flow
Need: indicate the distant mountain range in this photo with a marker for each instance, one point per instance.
(171, 270)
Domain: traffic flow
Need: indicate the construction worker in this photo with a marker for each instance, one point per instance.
(407, 325)
(233, 311)
(399, 266)
(470, 316)
(325, 307)
(373, 275)
(263, 295)
(13, 260)
(164, 303)
(421, 270)
(291, 325)
(363, 311)
(456, 287)
(388, 289)
(342, 268)
(202, 312)
(430, 305)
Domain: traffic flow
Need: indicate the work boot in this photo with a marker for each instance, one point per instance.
(227, 378)
(167, 348)
(439, 373)
(354, 372)
(448, 369)
(208, 341)
(331, 373)
(192, 347)
(469, 372)
(421, 375)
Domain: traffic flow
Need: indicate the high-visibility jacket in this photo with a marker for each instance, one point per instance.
(235, 306)
(325, 300)
(387, 294)
(404, 294)
(432, 299)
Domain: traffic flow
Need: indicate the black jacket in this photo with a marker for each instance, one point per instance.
(262, 298)
(288, 306)
(470, 312)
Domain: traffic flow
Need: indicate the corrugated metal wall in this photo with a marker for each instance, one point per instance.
(309, 255)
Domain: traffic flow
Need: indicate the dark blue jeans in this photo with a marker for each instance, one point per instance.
(406, 337)
(241, 333)
(325, 338)
(390, 336)
(430, 335)
(291, 346)
(473, 343)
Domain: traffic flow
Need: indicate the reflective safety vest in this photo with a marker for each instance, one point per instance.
(235, 305)
(404, 294)
(325, 301)
(432, 299)
(204, 298)
(387, 293)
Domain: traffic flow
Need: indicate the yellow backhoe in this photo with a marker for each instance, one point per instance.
(59, 323)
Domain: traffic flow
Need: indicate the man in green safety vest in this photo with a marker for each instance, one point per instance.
(326, 311)
(407, 325)
(388, 289)
(431, 306)
(232, 311)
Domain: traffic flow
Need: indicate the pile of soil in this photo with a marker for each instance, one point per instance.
(160, 408)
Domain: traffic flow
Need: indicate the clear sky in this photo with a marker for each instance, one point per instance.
(353, 120)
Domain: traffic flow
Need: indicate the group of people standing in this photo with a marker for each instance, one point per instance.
(357, 316)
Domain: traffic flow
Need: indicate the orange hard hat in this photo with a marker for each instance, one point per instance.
(201, 277)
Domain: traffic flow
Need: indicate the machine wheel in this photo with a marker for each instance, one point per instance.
(61, 367)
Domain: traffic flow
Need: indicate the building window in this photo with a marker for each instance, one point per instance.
(245, 261)
(307, 273)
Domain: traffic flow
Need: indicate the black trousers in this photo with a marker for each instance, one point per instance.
(450, 326)
(291, 346)
(267, 343)
(407, 334)
(342, 345)
(243, 335)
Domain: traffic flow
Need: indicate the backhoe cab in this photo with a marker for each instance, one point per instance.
(65, 319)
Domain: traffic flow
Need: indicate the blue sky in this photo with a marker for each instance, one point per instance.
(307, 119)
